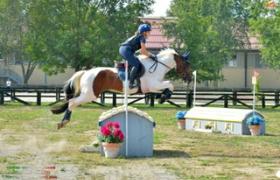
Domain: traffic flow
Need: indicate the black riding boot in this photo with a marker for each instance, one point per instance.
(133, 78)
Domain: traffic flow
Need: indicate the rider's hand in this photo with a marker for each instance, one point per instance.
(153, 57)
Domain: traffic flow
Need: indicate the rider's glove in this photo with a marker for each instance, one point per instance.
(153, 57)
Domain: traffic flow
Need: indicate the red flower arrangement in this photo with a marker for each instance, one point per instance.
(111, 133)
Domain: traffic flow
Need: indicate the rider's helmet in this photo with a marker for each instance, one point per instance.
(144, 28)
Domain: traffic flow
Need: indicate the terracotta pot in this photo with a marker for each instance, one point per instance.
(111, 150)
(255, 130)
(181, 123)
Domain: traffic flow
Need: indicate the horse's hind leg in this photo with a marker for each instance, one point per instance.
(65, 120)
(74, 102)
(84, 97)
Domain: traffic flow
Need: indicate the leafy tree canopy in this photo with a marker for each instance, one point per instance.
(210, 29)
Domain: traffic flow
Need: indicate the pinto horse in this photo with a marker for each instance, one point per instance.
(86, 86)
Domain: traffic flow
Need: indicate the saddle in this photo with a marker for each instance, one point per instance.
(121, 70)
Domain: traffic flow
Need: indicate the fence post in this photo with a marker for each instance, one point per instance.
(263, 100)
(276, 98)
(152, 101)
(226, 101)
(102, 98)
(234, 97)
(147, 99)
(38, 98)
(1, 97)
(13, 93)
(189, 99)
(114, 99)
(57, 94)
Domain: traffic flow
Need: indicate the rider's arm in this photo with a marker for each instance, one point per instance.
(144, 50)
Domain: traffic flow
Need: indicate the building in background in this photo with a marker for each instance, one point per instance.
(237, 72)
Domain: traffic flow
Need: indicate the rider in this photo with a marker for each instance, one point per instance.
(130, 46)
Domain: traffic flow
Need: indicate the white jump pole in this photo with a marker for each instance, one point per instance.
(125, 106)
(254, 82)
(254, 97)
(194, 89)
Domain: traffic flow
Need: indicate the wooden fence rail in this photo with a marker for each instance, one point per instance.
(180, 98)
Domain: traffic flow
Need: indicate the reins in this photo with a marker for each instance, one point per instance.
(154, 66)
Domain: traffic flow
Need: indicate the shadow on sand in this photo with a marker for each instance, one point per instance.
(170, 154)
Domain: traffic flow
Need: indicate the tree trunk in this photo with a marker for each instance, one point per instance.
(27, 71)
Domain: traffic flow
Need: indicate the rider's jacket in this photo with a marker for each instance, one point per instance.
(134, 42)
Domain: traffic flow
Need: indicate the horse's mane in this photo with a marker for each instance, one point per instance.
(162, 53)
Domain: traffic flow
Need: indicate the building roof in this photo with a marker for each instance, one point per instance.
(157, 39)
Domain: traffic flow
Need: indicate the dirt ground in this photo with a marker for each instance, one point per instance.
(33, 155)
(30, 143)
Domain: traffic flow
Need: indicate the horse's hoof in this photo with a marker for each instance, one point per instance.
(62, 124)
(59, 126)
(161, 100)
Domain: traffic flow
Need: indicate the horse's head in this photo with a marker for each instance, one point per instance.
(172, 59)
(183, 66)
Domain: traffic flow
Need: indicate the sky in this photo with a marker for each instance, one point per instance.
(160, 7)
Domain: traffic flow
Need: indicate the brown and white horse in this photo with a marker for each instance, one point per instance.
(86, 86)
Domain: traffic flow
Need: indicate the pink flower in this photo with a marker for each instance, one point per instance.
(117, 125)
(105, 131)
(111, 132)
(117, 132)
(121, 136)
(109, 125)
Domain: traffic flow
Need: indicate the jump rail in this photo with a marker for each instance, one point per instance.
(180, 97)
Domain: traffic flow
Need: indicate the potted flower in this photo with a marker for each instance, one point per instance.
(181, 122)
(254, 125)
(111, 137)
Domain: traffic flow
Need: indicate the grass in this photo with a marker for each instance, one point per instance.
(31, 141)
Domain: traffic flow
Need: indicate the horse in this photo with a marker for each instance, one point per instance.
(86, 85)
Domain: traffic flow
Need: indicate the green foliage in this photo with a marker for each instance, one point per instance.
(266, 24)
(208, 28)
(13, 34)
(67, 33)
(82, 34)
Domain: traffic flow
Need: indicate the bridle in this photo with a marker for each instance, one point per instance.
(154, 66)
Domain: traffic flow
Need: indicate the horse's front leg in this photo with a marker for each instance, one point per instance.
(159, 86)
(165, 88)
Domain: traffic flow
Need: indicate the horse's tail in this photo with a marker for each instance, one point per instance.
(72, 89)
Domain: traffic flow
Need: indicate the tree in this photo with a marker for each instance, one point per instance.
(55, 35)
(13, 19)
(210, 29)
(265, 23)
(83, 33)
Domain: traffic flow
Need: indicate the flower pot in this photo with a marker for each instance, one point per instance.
(111, 150)
(181, 123)
(255, 130)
